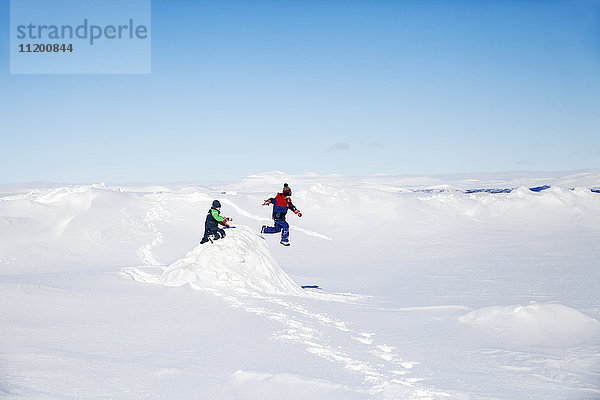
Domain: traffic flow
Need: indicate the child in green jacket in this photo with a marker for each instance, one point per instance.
(211, 226)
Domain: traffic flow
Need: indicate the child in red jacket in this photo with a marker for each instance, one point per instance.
(281, 204)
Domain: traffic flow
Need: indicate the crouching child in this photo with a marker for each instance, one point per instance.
(212, 231)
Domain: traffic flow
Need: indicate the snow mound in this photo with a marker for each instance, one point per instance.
(242, 260)
(538, 323)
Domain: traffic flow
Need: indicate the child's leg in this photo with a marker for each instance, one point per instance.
(272, 229)
(205, 237)
(285, 230)
(220, 234)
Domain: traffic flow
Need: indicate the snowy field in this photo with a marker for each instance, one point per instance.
(448, 287)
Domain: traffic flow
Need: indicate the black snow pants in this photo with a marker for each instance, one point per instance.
(214, 234)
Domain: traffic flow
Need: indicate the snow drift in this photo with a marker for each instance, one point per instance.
(536, 323)
(242, 261)
(155, 225)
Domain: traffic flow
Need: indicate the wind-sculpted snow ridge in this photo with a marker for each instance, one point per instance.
(240, 261)
(536, 323)
(68, 227)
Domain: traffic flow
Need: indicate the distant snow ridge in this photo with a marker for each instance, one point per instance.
(242, 260)
(541, 323)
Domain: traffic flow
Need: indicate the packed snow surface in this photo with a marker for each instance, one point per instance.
(447, 287)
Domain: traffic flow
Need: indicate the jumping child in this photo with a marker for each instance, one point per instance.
(281, 203)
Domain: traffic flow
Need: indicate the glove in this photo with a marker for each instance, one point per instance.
(298, 213)
(226, 219)
(225, 223)
(267, 202)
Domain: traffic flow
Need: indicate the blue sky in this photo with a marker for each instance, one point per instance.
(353, 87)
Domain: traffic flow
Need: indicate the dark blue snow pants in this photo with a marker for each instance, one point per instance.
(215, 233)
(280, 226)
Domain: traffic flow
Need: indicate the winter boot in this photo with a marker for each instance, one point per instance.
(262, 230)
(285, 243)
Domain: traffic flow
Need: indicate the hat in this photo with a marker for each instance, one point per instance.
(216, 204)
(286, 190)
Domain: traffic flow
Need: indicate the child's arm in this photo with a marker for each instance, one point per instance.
(215, 214)
(294, 209)
(221, 220)
(225, 220)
